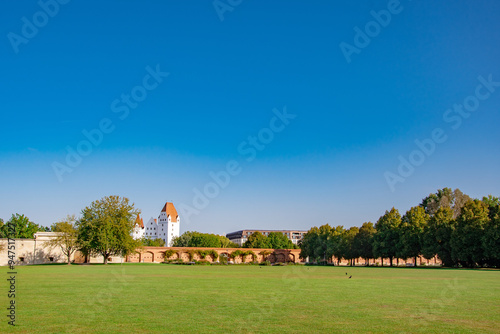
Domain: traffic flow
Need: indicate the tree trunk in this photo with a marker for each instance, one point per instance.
(415, 261)
(390, 261)
(105, 259)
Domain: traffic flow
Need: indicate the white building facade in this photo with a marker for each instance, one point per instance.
(166, 227)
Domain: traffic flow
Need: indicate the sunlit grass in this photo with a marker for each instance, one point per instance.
(142, 298)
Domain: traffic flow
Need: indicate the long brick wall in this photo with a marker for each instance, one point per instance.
(157, 254)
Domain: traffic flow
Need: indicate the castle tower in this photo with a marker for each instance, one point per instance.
(168, 224)
(138, 231)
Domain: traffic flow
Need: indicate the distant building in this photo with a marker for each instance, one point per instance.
(166, 227)
(138, 232)
(240, 237)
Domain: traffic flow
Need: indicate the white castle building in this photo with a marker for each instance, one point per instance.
(166, 227)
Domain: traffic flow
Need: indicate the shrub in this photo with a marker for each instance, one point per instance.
(223, 259)
(191, 254)
(213, 254)
(169, 253)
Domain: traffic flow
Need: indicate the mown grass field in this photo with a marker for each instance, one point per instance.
(148, 298)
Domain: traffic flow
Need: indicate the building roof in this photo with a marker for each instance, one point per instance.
(139, 221)
(170, 210)
(239, 234)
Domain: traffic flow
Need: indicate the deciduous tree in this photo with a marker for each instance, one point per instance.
(385, 241)
(347, 246)
(23, 228)
(183, 239)
(363, 241)
(148, 242)
(257, 240)
(411, 232)
(277, 240)
(106, 227)
(445, 197)
(437, 236)
(467, 238)
(66, 237)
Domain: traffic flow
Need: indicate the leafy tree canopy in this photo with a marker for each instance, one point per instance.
(148, 242)
(24, 228)
(106, 227)
(278, 240)
(257, 240)
(445, 197)
(385, 241)
(197, 239)
(66, 238)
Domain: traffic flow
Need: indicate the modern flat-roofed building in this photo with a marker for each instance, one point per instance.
(240, 237)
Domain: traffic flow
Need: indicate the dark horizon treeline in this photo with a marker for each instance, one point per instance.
(460, 230)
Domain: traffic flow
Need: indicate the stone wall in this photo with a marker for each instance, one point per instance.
(157, 255)
(32, 251)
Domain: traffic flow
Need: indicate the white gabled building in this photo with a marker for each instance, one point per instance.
(138, 232)
(166, 227)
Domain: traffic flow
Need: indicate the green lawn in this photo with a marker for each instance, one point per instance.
(142, 298)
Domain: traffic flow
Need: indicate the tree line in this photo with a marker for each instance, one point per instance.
(197, 239)
(460, 230)
(274, 240)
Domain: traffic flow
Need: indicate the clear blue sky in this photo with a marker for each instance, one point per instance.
(328, 165)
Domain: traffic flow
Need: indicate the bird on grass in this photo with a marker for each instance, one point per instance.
(346, 273)
(350, 276)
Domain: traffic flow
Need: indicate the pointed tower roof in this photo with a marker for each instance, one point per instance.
(139, 221)
(170, 210)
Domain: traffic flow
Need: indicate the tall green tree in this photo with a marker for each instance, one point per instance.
(308, 245)
(183, 239)
(317, 243)
(334, 239)
(23, 228)
(386, 240)
(437, 236)
(204, 240)
(363, 241)
(493, 204)
(197, 239)
(491, 237)
(411, 232)
(66, 238)
(277, 240)
(226, 243)
(148, 242)
(256, 240)
(453, 199)
(106, 227)
(467, 238)
(347, 246)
